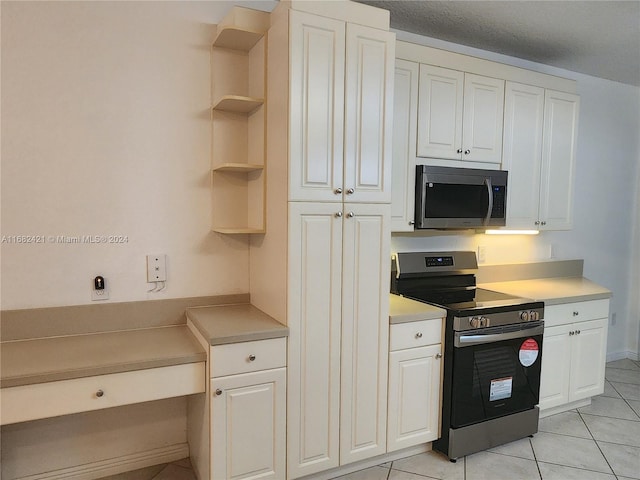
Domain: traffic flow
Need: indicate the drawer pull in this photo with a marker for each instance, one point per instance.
(252, 357)
(575, 314)
(438, 355)
(419, 335)
(218, 392)
(99, 393)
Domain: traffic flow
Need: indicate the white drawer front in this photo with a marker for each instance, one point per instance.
(248, 357)
(43, 400)
(575, 312)
(415, 334)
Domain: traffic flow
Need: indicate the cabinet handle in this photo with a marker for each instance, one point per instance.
(99, 393)
(459, 150)
(572, 333)
(537, 222)
(350, 191)
(338, 191)
(351, 215)
(577, 332)
(543, 223)
(419, 335)
(218, 392)
(252, 357)
(467, 152)
(338, 214)
(411, 222)
(438, 355)
(575, 314)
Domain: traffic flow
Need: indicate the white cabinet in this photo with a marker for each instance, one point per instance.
(248, 425)
(237, 430)
(415, 379)
(460, 115)
(559, 143)
(573, 353)
(340, 110)
(540, 134)
(405, 118)
(338, 308)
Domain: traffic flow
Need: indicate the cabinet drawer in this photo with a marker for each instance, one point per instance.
(575, 312)
(415, 334)
(51, 399)
(247, 357)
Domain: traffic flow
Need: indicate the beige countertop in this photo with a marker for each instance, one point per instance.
(552, 291)
(26, 362)
(222, 324)
(403, 310)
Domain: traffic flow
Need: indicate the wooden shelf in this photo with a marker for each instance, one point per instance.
(238, 231)
(236, 38)
(237, 103)
(237, 167)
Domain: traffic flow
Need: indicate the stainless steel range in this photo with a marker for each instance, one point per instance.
(492, 351)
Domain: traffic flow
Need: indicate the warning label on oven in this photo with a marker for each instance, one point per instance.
(529, 352)
(500, 388)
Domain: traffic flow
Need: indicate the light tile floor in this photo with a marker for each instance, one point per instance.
(597, 442)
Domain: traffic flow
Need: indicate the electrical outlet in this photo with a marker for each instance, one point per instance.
(99, 289)
(156, 268)
(482, 254)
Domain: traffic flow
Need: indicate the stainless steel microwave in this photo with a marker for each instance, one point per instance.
(460, 198)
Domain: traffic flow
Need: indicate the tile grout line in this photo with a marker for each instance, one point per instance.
(625, 399)
(597, 445)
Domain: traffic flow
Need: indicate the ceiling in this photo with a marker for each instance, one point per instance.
(598, 38)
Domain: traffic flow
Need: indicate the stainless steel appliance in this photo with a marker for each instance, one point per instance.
(492, 351)
(459, 197)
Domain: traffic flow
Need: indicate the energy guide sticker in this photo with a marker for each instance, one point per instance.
(529, 351)
(500, 388)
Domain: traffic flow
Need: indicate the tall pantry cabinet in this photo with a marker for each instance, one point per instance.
(322, 268)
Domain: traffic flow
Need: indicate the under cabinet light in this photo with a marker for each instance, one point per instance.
(512, 232)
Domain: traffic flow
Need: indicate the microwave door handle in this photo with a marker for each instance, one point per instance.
(487, 182)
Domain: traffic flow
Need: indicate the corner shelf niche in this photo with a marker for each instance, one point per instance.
(238, 119)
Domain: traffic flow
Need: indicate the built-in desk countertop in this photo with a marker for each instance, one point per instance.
(46, 377)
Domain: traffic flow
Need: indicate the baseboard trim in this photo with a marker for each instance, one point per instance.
(630, 354)
(114, 466)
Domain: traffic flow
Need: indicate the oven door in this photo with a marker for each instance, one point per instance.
(496, 372)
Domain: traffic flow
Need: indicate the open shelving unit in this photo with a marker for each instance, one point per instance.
(238, 119)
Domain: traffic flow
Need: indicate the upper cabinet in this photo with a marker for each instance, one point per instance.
(459, 116)
(340, 112)
(238, 59)
(539, 153)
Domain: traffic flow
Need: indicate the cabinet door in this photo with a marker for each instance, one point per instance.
(316, 125)
(558, 159)
(440, 112)
(314, 317)
(482, 119)
(414, 397)
(248, 425)
(405, 118)
(588, 358)
(556, 366)
(365, 331)
(522, 152)
(368, 125)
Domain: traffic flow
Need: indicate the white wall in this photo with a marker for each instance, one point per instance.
(606, 199)
(106, 131)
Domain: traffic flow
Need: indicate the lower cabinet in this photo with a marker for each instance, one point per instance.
(248, 425)
(573, 353)
(415, 375)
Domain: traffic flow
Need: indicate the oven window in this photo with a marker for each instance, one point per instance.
(490, 380)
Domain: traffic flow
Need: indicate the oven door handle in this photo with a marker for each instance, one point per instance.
(462, 340)
(487, 182)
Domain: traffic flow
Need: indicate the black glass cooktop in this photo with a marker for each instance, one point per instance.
(474, 299)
